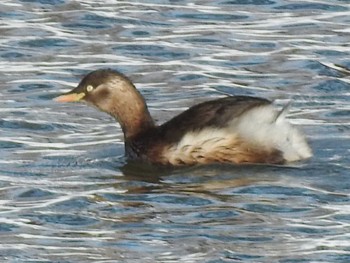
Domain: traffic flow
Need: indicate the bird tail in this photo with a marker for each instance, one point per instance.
(269, 128)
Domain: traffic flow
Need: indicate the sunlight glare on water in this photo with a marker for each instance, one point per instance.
(69, 195)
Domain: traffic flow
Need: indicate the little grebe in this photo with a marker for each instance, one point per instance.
(237, 129)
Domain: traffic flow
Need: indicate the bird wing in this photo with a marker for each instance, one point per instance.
(211, 114)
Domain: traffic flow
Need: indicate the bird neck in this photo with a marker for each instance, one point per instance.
(132, 114)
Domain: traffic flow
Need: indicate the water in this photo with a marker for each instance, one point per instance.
(67, 193)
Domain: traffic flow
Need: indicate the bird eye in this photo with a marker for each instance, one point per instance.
(89, 88)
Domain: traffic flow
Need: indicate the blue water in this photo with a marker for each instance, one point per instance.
(67, 194)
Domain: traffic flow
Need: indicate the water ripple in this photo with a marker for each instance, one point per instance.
(69, 195)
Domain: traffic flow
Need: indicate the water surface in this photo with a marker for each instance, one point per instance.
(67, 194)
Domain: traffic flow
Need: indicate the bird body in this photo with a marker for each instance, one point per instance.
(235, 129)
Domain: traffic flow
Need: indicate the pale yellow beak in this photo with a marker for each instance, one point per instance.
(70, 97)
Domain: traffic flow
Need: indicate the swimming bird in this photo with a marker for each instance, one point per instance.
(234, 129)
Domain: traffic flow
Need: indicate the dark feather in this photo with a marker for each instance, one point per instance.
(210, 114)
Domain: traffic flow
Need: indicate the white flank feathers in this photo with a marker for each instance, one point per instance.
(266, 127)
